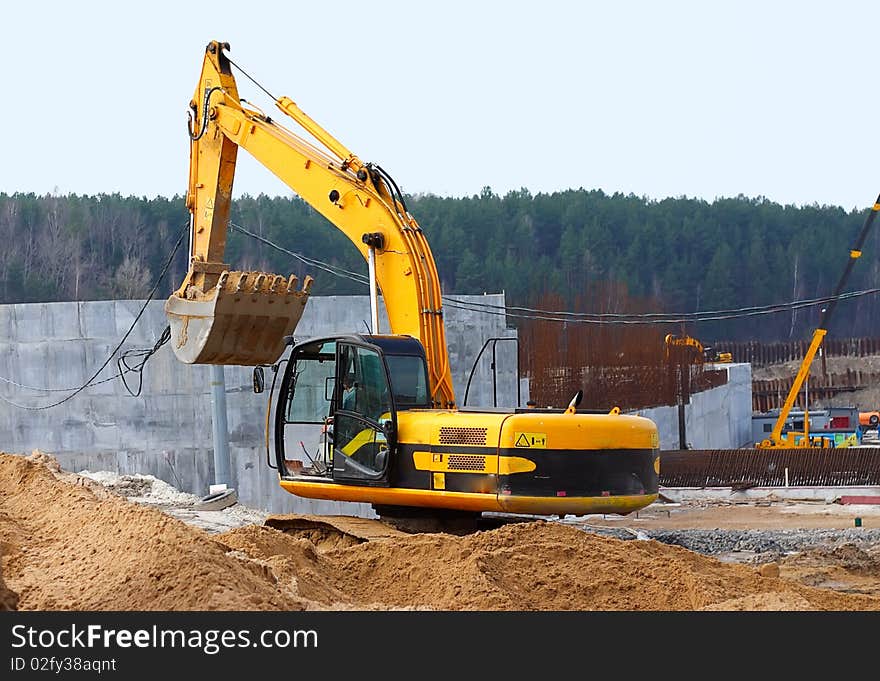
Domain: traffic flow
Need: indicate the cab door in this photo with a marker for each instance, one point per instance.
(365, 420)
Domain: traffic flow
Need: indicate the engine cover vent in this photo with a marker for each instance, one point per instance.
(466, 462)
(451, 435)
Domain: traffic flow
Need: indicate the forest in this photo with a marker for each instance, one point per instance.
(584, 249)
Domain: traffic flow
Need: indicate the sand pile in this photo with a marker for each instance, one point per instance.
(528, 566)
(70, 544)
(8, 598)
(68, 547)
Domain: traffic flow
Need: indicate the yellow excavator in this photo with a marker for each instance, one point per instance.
(369, 417)
(701, 353)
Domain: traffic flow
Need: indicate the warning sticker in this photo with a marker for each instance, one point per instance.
(530, 440)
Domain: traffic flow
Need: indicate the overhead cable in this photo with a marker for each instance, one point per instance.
(571, 317)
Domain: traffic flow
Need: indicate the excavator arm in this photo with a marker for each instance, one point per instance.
(252, 312)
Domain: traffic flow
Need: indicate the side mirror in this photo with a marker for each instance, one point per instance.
(259, 380)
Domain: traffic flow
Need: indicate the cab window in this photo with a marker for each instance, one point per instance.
(363, 384)
(409, 380)
(311, 386)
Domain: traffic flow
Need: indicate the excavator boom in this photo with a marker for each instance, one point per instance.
(242, 318)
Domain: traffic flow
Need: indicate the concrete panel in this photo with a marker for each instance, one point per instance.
(125, 313)
(101, 416)
(29, 323)
(97, 319)
(7, 322)
(719, 418)
(62, 321)
(33, 358)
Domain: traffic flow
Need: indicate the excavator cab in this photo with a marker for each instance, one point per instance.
(338, 401)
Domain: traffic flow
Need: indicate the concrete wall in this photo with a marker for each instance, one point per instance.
(720, 418)
(166, 431)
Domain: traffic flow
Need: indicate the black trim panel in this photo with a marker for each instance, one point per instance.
(590, 473)
(586, 473)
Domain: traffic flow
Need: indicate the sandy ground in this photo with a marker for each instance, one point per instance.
(70, 543)
(837, 546)
(769, 514)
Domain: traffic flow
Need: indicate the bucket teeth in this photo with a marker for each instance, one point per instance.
(239, 285)
(242, 318)
(260, 282)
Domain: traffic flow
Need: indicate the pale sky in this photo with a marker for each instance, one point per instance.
(699, 99)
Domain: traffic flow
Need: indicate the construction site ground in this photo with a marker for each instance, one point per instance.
(97, 541)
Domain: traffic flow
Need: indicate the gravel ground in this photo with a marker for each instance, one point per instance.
(747, 545)
(150, 491)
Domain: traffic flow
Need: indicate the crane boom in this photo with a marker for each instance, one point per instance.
(777, 439)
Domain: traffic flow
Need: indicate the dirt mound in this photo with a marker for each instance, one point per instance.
(69, 544)
(296, 563)
(524, 566)
(769, 601)
(69, 549)
(846, 568)
(8, 598)
(847, 556)
(834, 365)
(865, 399)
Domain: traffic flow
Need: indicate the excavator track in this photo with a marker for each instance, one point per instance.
(743, 468)
(340, 530)
(392, 523)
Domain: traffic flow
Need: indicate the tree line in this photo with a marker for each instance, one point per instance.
(675, 254)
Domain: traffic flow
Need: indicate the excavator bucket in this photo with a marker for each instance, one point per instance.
(242, 320)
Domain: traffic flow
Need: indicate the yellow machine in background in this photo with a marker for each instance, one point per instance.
(373, 418)
(701, 353)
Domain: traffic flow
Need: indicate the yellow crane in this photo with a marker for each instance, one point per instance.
(367, 417)
(803, 439)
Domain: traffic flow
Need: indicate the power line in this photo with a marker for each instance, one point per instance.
(651, 317)
(563, 316)
(327, 267)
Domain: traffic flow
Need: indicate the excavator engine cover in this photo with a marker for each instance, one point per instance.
(242, 320)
